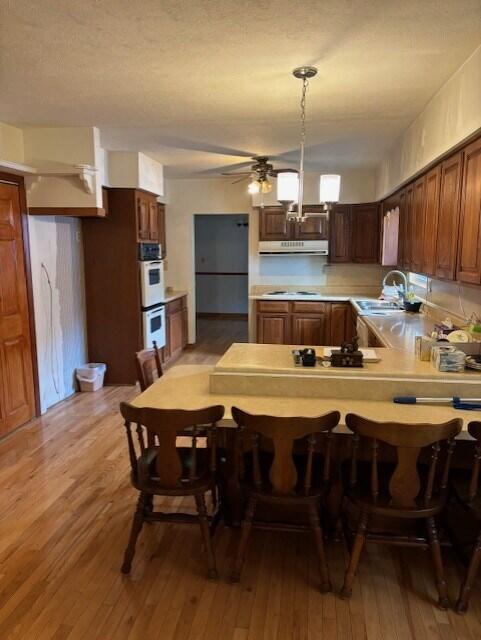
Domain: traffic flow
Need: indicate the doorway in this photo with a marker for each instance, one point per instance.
(221, 279)
(17, 395)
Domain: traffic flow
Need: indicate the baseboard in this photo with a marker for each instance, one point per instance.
(223, 316)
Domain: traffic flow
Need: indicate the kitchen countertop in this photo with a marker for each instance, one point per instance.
(398, 330)
(187, 387)
(170, 296)
(316, 297)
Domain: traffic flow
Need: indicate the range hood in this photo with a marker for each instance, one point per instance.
(293, 247)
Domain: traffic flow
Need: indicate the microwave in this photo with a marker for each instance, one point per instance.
(149, 251)
(152, 286)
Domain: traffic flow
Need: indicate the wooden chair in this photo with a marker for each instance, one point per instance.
(467, 491)
(285, 483)
(149, 366)
(392, 500)
(160, 469)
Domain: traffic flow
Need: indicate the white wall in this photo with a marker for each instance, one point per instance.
(60, 322)
(452, 115)
(11, 144)
(130, 169)
(221, 246)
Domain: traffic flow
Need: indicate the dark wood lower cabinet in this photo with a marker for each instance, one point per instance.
(303, 323)
(176, 329)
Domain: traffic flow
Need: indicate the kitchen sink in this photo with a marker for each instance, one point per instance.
(377, 305)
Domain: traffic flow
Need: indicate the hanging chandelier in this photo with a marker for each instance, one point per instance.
(290, 184)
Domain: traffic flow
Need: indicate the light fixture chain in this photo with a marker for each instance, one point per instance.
(305, 84)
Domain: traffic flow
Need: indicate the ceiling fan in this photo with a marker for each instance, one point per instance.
(260, 172)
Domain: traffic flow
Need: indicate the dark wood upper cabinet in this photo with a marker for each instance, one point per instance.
(416, 232)
(162, 233)
(273, 224)
(448, 216)
(340, 233)
(313, 228)
(430, 227)
(469, 248)
(153, 222)
(365, 233)
(143, 219)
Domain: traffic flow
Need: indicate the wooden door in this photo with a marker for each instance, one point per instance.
(273, 224)
(417, 225)
(340, 233)
(162, 233)
(153, 221)
(366, 233)
(310, 329)
(448, 218)
(273, 328)
(313, 228)
(430, 228)
(16, 371)
(469, 248)
(143, 219)
(341, 325)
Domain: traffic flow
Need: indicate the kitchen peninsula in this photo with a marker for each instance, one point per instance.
(262, 379)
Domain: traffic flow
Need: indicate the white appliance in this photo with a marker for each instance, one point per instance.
(152, 282)
(294, 247)
(153, 326)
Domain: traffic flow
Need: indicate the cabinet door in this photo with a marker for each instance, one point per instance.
(273, 328)
(430, 229)
(417, 225)
(273, 224)
(176, 333)
(448, 217)
(310, 329)
(314, 228)
(340, 233)
(407, 226)
(365, 233)
(153, 222)
(469, 251)
(341, 324)
(143, 219)
(162, 234)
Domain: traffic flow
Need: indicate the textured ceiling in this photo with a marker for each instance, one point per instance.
(200, 84)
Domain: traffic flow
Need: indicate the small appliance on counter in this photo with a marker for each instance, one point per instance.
(305, 357)
(348, 355)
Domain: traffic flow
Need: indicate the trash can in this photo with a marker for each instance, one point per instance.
(90, 376)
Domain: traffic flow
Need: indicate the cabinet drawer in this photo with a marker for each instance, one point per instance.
(279, 306)
(310, 307)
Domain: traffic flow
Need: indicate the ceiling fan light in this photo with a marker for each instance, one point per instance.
(254, 187)
(329, 188)
(287, 186)
(266, 186)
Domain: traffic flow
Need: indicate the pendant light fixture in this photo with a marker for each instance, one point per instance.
(290, 184)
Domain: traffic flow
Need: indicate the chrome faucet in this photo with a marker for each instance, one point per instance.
(404, 278)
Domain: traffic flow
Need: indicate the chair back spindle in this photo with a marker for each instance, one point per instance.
(474, 430)
(148, 363)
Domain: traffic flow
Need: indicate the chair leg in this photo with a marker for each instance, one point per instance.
(357, 547)
(438, 563)
(465, 592)
(204, 527)
(246, 531)
(317, 530)
(137, 523)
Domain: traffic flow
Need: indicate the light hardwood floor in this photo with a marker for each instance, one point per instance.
(66, 508)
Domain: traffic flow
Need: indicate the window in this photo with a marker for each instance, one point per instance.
(418, 280)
